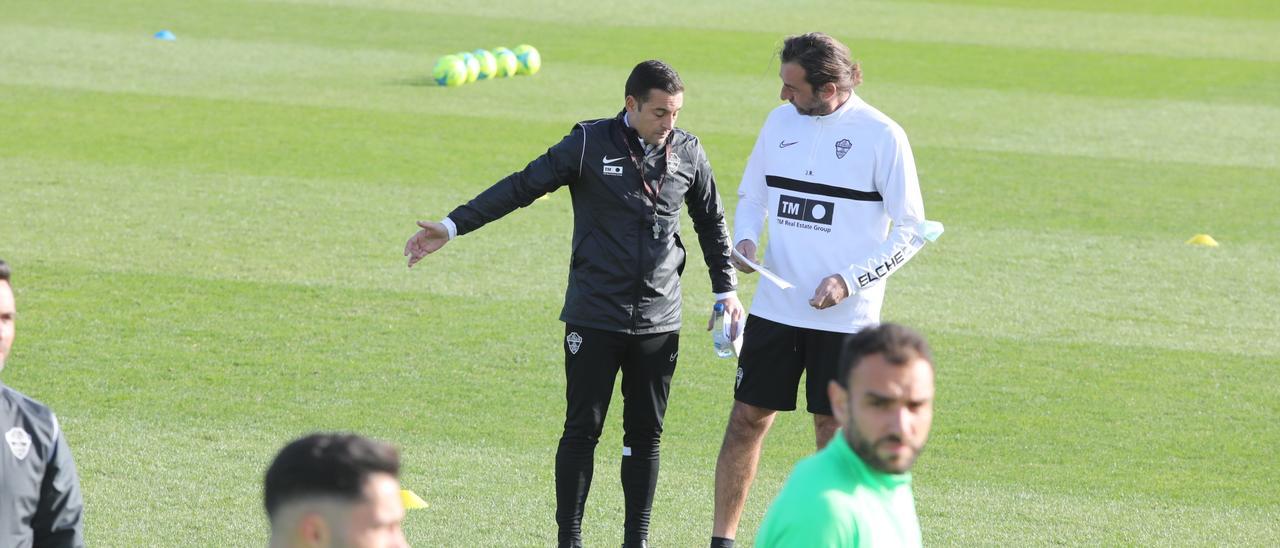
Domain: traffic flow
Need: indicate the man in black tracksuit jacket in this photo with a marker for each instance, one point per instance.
(40, 502)
(622, 303)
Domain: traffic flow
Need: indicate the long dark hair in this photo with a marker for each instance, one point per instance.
(824, 60)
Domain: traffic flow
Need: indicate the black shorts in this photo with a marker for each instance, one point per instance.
(773, 357)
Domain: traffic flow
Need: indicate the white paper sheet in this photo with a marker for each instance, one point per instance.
(777, 280)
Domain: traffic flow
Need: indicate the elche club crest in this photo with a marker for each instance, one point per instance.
(575, 342)
(842, 148)
(19, 442)
(673, 165)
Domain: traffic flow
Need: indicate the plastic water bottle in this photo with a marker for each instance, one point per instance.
(720, 334)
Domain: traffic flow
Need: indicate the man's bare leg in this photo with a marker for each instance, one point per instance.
(824, 428)
(736, 466)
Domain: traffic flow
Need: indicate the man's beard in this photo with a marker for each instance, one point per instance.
(813, 109)
(865, 449)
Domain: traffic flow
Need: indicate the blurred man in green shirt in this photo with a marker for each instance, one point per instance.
(857, 490)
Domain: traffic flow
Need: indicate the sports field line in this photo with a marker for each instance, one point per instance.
(1171, 35)
(978, 119)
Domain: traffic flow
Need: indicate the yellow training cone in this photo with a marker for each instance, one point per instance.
(411, 501)
(1204, 240)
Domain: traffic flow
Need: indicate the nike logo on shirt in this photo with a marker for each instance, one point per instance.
(785, 144)
(609, 160)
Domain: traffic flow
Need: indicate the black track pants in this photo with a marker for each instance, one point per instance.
(592, 359)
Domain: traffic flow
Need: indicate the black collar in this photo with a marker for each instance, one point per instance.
(629, 133)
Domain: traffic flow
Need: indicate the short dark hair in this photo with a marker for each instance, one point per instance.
(4, 271)
(333, 465)
(824, 60)
(650, 75)
(898, 344)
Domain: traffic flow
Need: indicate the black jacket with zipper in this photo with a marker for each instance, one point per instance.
(622, 277)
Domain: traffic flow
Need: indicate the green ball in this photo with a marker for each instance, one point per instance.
(527, 59)
(488, 64)
(450, 71)
(473, 65)
(506, 62)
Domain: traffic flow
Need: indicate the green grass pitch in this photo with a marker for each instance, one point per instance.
(206, 236)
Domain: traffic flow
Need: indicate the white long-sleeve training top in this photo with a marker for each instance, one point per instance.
(830, 186)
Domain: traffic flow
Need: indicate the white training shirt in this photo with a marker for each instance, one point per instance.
(830, 186)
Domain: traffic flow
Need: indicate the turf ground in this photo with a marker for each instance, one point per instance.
(207, 233)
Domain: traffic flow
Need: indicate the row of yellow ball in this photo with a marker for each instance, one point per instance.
(469, 66)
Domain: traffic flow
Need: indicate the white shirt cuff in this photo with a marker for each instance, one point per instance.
(848, 283)
(726, 295)
(452, 228)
